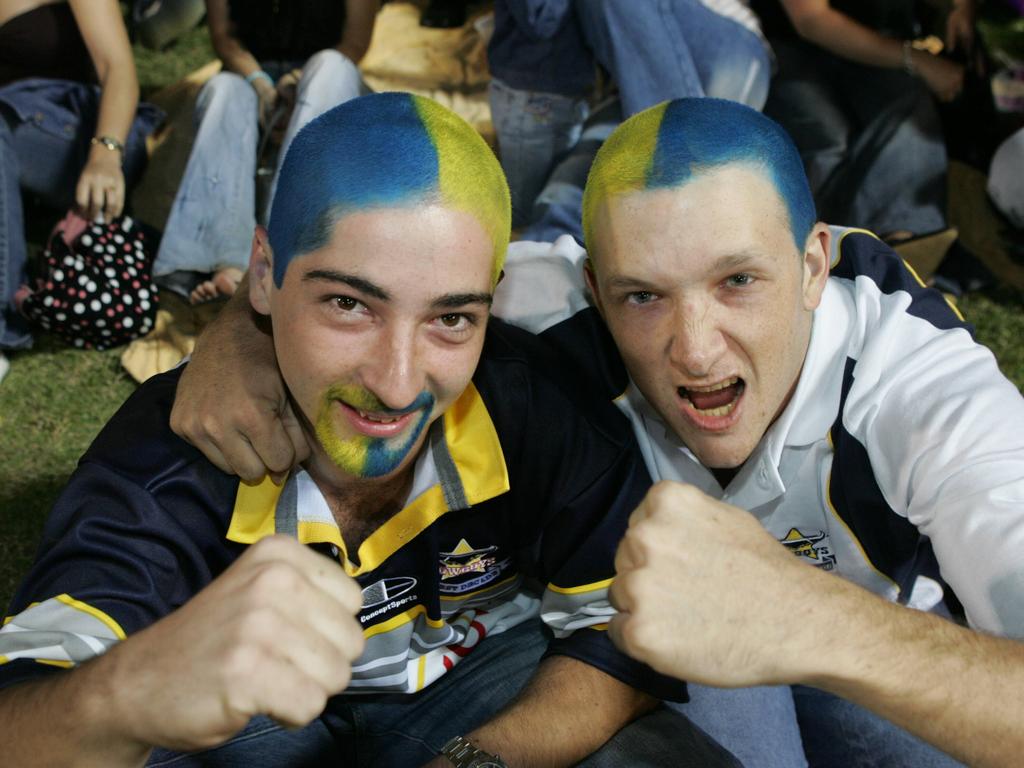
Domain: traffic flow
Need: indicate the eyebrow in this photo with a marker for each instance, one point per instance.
(360, 284)
(446, 301)
(455, 300)
(724, 263)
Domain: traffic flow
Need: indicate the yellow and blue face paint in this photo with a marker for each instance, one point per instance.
(670, 143)
(362, 455)
(380, 151)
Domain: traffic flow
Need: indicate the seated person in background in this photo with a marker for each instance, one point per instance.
(283, 62)
(857, 98)
(542, 56)
(69, 131)
(447, 475)
(828, 415)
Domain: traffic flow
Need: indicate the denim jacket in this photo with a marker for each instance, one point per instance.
(68, 110)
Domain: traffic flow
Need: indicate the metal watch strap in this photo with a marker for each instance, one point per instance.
(461, 752)
(109, 142)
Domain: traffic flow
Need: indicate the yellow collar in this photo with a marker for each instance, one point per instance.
(475, 473)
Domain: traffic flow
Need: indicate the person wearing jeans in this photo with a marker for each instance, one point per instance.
(542, 56)
(70, 130)
(208, 230)
(276, 57)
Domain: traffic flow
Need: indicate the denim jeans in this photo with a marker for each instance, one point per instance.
(782, 727)
(211, 222)
(403, 731)
(45, 130)
(701, 54)
(534, 131)
(668, 49)
(870, 138)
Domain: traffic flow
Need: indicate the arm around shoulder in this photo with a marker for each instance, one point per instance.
(231, 402)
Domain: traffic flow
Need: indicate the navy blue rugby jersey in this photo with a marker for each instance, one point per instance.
(519, 500)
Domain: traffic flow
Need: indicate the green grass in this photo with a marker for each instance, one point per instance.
(55, 399)
(157, 69)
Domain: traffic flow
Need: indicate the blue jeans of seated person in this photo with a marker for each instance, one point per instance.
(669, 49)
(534, 131)
(211, 222)
(401, 731)
(721, 59)
(782, 727)
(871, 140)
(45, 131)
(654, 51)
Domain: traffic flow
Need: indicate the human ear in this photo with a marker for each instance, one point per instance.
(816, 259)
(261, 272)
(591, 278)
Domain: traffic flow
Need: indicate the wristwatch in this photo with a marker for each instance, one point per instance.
(462, 754)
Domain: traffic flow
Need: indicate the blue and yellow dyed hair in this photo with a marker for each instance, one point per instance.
(671, 143)
(380, 151)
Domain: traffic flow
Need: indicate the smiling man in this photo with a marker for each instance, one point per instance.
(455, 510)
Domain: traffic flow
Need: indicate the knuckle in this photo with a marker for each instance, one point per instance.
(240, 660)
(208, 424)
(273, 578)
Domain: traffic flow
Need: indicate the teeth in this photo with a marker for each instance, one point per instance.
(721, 411)
(713, 387)
(378, 418)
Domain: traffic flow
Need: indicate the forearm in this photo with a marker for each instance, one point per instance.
(120, 97)
(360, 17)
(566, 712)
(955, 688)
(107, 42)
(837, 33)
(229, 49)
(236, 326)
(77, 705)
(235, 57)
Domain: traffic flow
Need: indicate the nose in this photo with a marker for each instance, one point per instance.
(393, 368)
(696, 341)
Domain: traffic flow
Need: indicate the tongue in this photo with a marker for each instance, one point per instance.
(705, 401)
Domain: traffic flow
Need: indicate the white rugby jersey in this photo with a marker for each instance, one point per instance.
(902, 435)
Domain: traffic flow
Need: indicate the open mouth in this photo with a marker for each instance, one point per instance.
(715, 400)
(378, 424)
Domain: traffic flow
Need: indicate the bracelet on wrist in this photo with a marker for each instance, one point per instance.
(259, 74)
(908, 58)
(109, 142)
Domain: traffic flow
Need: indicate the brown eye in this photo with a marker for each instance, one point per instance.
(455, 322)
(346, 302)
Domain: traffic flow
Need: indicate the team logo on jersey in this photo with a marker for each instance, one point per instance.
(386, 595)
(809, 547)
(466, 568)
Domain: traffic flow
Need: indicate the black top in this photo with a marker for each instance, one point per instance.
(44, 42)
(290, 30)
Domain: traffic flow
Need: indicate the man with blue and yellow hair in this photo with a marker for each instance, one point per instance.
(428, 584)
(813, 411)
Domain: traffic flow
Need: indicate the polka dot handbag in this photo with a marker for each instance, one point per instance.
(97, 292)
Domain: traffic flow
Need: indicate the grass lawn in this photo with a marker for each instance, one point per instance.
(55, 399)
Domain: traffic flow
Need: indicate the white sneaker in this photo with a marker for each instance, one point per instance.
(5, 366)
